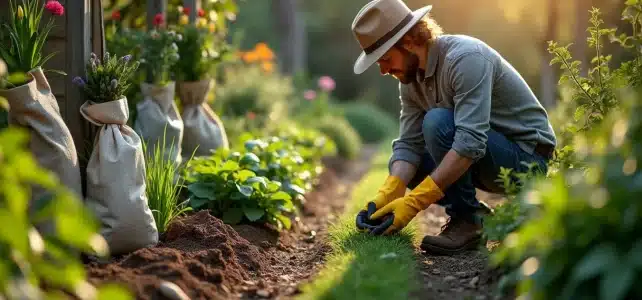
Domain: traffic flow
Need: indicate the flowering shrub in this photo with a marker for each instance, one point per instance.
(21, 47)
(261, 54)
(159, 54)
(107, 80)
(200, 52)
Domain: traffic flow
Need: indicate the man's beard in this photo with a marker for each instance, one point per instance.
(411, 66)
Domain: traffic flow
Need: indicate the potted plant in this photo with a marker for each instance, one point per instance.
(116, 167)
(157, 115)
(204, 130)
(32, 103)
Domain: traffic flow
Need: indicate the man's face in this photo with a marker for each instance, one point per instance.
(400, 64)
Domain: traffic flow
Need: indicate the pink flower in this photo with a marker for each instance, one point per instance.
(309, 95)
(55, 8)
(326, 83)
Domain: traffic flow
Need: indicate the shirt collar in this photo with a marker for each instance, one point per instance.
(433, 58)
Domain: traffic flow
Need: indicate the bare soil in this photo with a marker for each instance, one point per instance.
(208, 259)
(463, 276)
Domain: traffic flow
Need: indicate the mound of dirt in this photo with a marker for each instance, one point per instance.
(199, 253)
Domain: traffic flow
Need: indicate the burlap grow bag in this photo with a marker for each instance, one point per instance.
(157, 113)
(33, 106)
(116, 179)
(204, 130)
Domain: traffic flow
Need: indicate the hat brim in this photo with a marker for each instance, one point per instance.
(364, 61)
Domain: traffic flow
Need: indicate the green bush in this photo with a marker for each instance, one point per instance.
(345, 137)
(250, 92)
(372, 123)
(260, 181)
(575, 233)
(44, 264)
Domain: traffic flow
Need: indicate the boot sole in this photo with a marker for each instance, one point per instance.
(432, 249)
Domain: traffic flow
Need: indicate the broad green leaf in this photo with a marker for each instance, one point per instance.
(243, 175)
(229, 166)
(594, 262)
(287, 223)
(295, 188)
(617, 281)
(253, 213)
(233, 215)
(202, 190)
(198, 203)
(631, 2)
(258, 182)
(281, 195)
(579, 113)
(246, 190)
(249, 159)
(17, 237)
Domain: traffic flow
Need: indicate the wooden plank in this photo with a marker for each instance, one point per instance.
(58, 62)
(155, 7)
(78, 42)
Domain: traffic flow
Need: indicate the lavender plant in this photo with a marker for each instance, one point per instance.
(107, 80)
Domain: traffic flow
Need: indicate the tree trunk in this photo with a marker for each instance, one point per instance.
(291, 35)
(548, 86)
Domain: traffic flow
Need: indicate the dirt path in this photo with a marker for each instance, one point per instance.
(297, 255)
(463, 276)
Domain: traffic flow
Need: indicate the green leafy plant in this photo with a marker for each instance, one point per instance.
(107, 80)
(581, 239)
(163, 186)
(344, 136)
(234, 193)
(576, 228)
(159, 55)
(38, 262)
(200, 52)
(372, 123)
(24, 37)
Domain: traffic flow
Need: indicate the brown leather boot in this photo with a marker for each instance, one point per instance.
(457, 235)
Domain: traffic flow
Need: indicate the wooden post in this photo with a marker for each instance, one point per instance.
(194, 6)
(155, 7)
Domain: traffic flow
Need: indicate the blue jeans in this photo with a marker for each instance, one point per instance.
(460, 200)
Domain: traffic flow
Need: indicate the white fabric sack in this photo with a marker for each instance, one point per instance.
(157, 113)
(116, 179)
(204, 130)
(33, 106)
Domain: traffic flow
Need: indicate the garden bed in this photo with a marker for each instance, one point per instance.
(209, 259)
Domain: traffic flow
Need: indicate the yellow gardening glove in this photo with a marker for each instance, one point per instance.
(404, 209)
(391, 189)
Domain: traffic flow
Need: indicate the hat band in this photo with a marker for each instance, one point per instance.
(386, 37)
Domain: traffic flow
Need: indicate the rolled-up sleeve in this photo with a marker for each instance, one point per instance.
(410, 143)
(471, 77)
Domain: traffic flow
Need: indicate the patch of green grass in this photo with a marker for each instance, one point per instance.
(163, 185)
(361, 266)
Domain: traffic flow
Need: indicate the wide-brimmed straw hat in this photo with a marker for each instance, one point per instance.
(379, 25)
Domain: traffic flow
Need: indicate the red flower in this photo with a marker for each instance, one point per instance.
(251, 115)
(159, 19)
(55, 8)
(201, 12)
(186, 10)
(115, 15)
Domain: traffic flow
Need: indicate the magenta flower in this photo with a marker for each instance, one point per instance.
(55, 8)
(309, 95)
(326, 83)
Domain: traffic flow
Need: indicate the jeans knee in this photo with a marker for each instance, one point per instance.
(438, 126)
